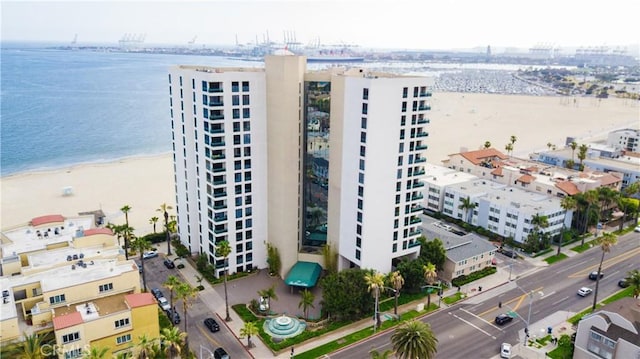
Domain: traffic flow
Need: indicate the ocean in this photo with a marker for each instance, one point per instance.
(65, 107)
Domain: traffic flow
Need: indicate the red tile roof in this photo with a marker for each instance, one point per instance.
(67, 320)
(51, 218)
(497, 172)
(476, 157)
(526, 179)
(139, 300)
(92, 231)
(609, 179)
(568, 187)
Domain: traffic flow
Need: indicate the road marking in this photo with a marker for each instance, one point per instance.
(206, 335)
(607, 263)
(506, 303)
(475, 326)
(559, 301)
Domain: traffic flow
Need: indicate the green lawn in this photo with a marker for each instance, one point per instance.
(555, 258)
(583, 247)
(561, 352)
(453, 298)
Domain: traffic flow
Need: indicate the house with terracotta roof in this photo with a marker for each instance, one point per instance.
(611, 332)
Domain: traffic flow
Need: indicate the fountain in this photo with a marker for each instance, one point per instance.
(284, 327)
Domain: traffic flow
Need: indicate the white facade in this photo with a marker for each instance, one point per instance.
(625, 139)
(218, 120)
(383, 140)
(504, 210)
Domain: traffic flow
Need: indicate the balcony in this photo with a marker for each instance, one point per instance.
(421, 147)
(216, 103)
(415, 233)
(220, 217)
(426, 94)
(220, 230)
(418, 173)
(420, 160)
(416, 209)
(214, 89)
(424, 108)
(417, 185)
(219, 182)
(216, 117)
(422, 134)
(417, 197)
(220, 206)
(219, 194)
(415, 220)
(217, 144)
(423, 121)
(219, 169)
(414, 244)
(216, 130)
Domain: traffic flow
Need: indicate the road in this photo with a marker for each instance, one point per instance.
(201, 340)
(467, 330)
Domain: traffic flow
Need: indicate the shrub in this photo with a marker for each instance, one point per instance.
(464, 279)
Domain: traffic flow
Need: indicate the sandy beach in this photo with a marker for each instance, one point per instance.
(457, 121)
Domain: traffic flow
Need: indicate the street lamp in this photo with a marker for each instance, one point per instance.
(376, 310)
(528, 320)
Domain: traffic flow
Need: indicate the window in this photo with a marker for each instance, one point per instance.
(365, 94)
(363, 151)
(60, 298)
(236, 113)
(123, 339)
(71, 337)
(75, 353)
(246, 113)
(235, 100)
(363, 137)
(363, 123)
(405, 92)
(245, 100)
(106, 287)
(121, 323)
(357, 254)
(365, 108)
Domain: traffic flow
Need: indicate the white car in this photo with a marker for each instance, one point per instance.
(505, 350)
(637, 229)
(150, 254)
(584, 291)
(164, 303)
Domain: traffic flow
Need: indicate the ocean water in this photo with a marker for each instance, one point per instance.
(64, 107)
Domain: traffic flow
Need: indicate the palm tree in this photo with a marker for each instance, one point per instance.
(377, 355)
(549, 145)
(127, 233)
(249, 329)
(269, 293)
(164, 209)
(396, 281)
(430, 276)
(467, 205)
(582, 154)
(187, 294)
(606, 242)
(153, 221)
(509, 148)
(573, 146)
(375, 282)
(172, 283)
(30, 348)
(539, 224)
(116, 230)
(223, 249)
(96, 353)
(172, 340)
(125, 209)
(590, 198)
(487, 144)
(633, 279)
(306, 302)
(606, 195)
(414, 339)
(568, 204)
(623, 200)
(141, 245)
(147, 347)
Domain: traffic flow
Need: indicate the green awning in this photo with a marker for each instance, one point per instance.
(304, 274)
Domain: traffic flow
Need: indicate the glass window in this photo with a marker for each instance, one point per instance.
(235, 100)
(235, 86)
(246, 113)
(245, 100)
(365, 108)
(363, 123)
(365, 93)
(236, 113)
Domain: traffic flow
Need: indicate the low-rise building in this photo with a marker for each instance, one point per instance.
(611, 332)
(626, 139)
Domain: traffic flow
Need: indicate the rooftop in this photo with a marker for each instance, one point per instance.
(458, 247)
(77, 313)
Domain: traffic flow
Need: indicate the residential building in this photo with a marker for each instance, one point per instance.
(466, 252)
(627, 139)
(436, 181)
(61, 274)
(296, 160)
(504, 210)
(531, 175)
(626, 166)
(611, 332)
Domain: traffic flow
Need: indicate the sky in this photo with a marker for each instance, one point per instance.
(399, 24)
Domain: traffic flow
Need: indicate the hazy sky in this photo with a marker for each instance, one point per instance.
(425, 24)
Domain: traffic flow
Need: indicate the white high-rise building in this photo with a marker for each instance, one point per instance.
(296, 159)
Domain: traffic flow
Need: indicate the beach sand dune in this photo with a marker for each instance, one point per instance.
(457, 121)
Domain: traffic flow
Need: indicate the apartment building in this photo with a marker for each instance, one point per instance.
(504, 210)
(625, 139)
(435, 182)
(611, 332)
(298, 159)
(531, 175)
(61, 274)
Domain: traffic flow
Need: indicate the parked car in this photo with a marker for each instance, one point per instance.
(173, 315)
(164, 303)
(157, 293)
(584, 291)
(623, 283)
(594, 275)
(505, 350)
(169, 263)
(150, 254)
(220, 353)
(503, 319)
(212, 325)
(637, 229)
(263, 304)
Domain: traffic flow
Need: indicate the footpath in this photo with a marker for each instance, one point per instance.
(491, 286)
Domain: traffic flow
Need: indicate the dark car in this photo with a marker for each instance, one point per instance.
(173, 315)
(220, 354)
(212, 325)
(503, 319)
(157, 293)
(169, 263)
(623, 283)
(594, 275)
